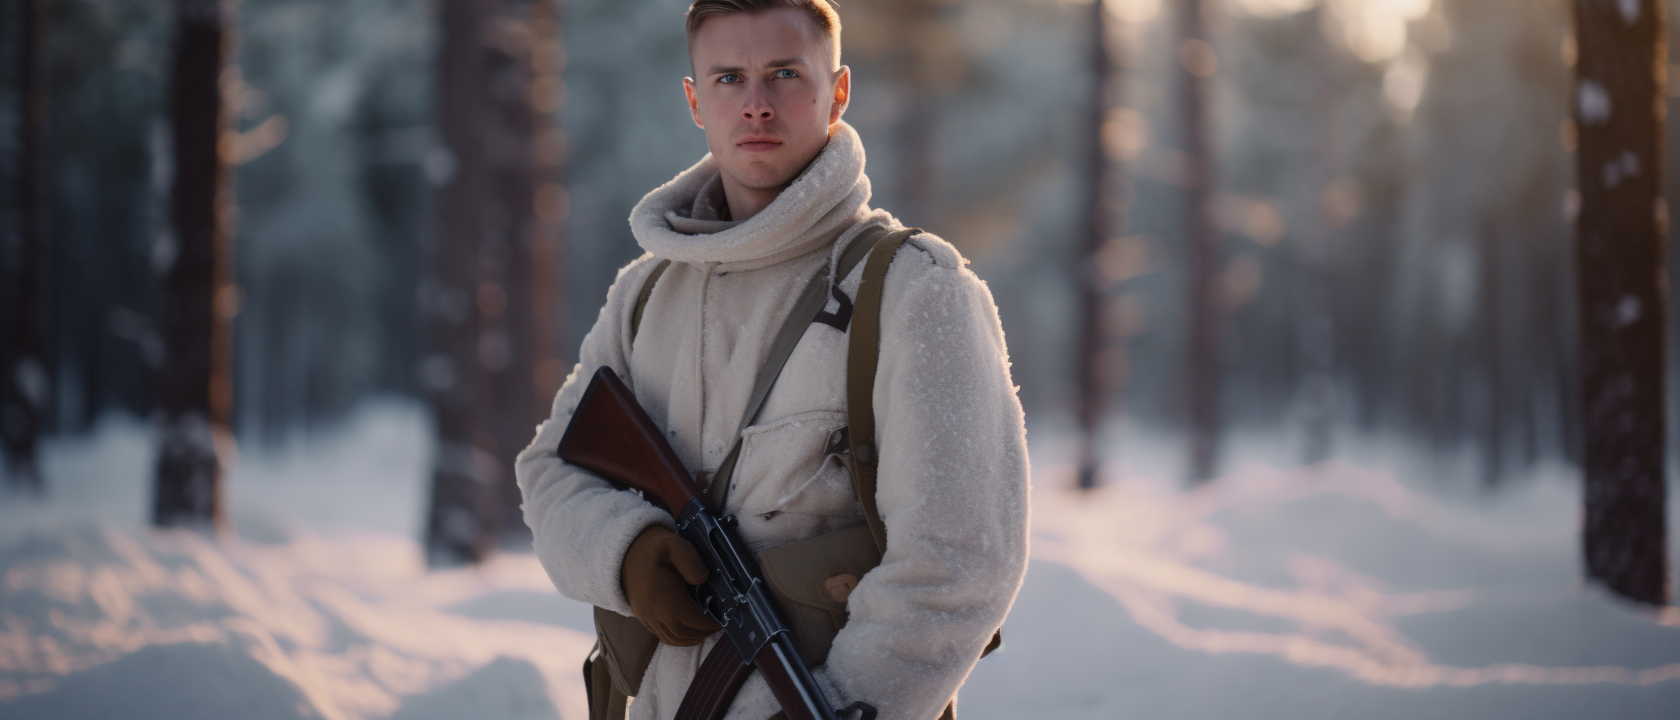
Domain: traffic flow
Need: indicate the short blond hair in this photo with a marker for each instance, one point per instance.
(821, 13)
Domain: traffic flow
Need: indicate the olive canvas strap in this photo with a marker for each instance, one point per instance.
(607, 700)
(805, 311)
(643, 296)
(862, 357)
(862, 352)
(721, 673)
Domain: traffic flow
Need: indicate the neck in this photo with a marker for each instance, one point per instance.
(745, 202)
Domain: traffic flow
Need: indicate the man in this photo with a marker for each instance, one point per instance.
(780, 196)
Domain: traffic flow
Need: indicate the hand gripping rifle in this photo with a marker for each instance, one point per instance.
(612, 436)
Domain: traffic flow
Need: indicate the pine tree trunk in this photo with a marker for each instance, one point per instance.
(1094, 382)
(198, 299)
(460, 513)
(1315, 308)
(1202, 246)
(1494, 401)
(25, 387)
(526, 177)
(1622, 301)
(544, 269)
(493, 314)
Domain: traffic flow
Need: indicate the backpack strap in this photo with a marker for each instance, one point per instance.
(644, 295)
(805, 310)
(862, 352)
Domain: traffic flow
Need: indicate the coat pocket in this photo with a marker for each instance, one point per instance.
(811, 580)
(786, 467)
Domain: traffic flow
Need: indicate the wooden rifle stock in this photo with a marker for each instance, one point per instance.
(612, 436)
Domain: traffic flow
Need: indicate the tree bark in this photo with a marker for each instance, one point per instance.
(25, 387)
(1315, 306)
(1202, 252)
(465, 463)
(1494, 400)
(528, 184)
(492, 309)
(1094, 383)
(198, 298)
(1622, 302)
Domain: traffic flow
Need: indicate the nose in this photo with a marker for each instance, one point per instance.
(757, 107)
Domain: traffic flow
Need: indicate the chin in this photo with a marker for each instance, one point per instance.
(763, 176)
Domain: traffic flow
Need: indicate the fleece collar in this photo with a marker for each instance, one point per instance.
(678, 220)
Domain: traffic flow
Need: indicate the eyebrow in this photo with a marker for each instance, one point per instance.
(784, 62)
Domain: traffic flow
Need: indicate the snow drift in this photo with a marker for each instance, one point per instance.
(1332, 592)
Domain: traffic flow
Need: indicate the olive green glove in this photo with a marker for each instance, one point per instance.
(658, 568)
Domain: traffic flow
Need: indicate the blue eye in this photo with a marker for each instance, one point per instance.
(730, 79)
(786, 73)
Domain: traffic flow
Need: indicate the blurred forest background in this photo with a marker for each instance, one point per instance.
(1391, 202)
(1321, 252)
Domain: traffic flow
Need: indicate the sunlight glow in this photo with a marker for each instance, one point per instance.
(1272, 8)
(1403, 83)
(1133, 11)
(1374, 30)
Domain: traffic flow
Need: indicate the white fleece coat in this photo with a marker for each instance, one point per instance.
(952, 447)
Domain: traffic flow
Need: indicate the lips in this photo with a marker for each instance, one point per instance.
(758, 143)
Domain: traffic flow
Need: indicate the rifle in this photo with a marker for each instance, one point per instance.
(612, 436)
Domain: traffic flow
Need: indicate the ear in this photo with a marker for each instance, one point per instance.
(693, 102)
(842, 94)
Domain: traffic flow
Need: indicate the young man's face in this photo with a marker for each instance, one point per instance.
(766, 92)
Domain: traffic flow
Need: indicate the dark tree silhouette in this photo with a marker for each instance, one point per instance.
(198, 297)
(528, 183)
(25, 387)
(465, 464)
(1493, 314)
(492, 309)
(1202, 367)
(1620, 274)
(1315, 306)
(915, 22)
(1094, 378)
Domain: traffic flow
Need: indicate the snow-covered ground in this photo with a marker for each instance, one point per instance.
(1334, 592)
